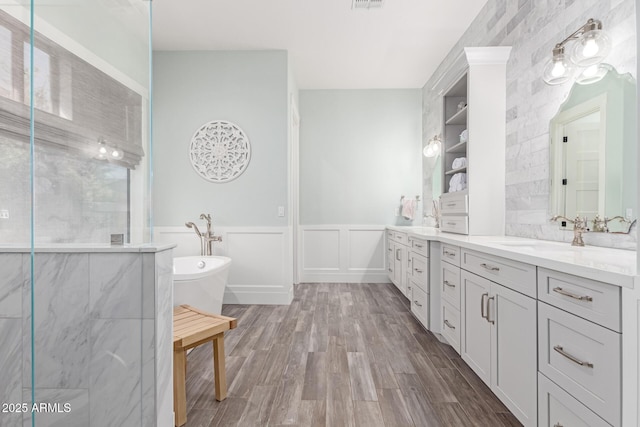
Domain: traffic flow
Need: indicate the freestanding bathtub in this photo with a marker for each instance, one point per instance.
(199, 281)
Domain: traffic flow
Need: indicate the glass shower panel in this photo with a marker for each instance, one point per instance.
(89, 82)
(15, 213)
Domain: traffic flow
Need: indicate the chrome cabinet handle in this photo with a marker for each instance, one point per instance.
(446, 322)
(446, 283)
(489, 267)
(489, 320)
(451, 204)
(417, 270)
(574, 359)
(409, 287)
(417, 303)
(571, 295)
(419, 246)
(397, 256)
(486, 294)
(390, 270)
(451, 223)
(447, 253)
(558, 425)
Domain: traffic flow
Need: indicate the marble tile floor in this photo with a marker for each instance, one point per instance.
(339, 355)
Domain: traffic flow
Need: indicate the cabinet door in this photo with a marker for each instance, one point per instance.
(475, 331)
(399, 269)
(514, 352)
(391, 265)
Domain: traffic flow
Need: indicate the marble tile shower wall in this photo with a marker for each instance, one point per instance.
(95, 336)
(532, 29)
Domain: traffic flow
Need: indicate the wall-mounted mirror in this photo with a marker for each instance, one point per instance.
(593, 152)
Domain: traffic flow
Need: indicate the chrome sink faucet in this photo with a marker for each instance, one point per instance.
(207, 238)
(579, 227)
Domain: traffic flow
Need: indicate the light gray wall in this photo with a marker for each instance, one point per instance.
(359, 152)
(247, 88)
(533, 28)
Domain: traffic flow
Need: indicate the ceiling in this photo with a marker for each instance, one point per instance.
(330, 45)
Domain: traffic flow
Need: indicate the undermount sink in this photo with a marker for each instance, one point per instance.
(539, 246)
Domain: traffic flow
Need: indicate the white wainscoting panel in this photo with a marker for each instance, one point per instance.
(261, 260)
(321, 249)
(342, 253)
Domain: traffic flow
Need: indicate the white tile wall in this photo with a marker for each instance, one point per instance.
(532, 28)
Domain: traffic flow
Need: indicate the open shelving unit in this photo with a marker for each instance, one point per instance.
(476, 101)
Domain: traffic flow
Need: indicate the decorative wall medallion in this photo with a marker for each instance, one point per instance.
(219, 151)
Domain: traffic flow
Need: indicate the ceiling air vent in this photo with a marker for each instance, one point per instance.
(366, 4)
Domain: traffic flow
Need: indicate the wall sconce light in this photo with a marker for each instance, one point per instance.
(591, 47)
(108, 152)
(432, 149)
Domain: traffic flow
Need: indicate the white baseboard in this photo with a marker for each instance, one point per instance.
(253, 295)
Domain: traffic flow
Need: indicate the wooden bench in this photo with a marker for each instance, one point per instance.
(191, 328)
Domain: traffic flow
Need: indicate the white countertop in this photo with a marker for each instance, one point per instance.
(88, 247)
(615, 266)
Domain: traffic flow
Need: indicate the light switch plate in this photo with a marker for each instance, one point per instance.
(4, 214)
(280, 210)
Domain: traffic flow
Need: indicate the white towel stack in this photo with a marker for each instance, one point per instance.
(464, 136)
(460, 162)
(458, 182)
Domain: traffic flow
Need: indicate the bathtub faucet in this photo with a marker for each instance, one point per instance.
(207, 238)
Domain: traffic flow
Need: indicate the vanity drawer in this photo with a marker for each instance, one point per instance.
(450, 254)
(556, 408)
(582, 358)
(454, 203)
(595, 301)
(419, 246)
(455, 224)
(515, 275)
(400, 237)
(419, 304)
(450, 287)
(420, 271)
(451, 325)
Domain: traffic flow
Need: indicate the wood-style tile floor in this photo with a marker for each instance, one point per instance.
(339, 355)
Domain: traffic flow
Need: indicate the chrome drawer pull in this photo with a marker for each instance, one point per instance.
(447, 253)
(558, 425)
(451, 204)
(489, 267)
(397, 257)
(451, 223)
(417, 270)
(574, 296)
(419, 246)
(560, 350)
(390, 270)
(486, 294)
(409, 287)
(446, 322)
(449, 284)
(493, 322)
(417, 303)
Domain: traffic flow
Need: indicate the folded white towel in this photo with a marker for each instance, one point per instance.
(408, 209)
(458, 182)
(459, 162)
(464, 136)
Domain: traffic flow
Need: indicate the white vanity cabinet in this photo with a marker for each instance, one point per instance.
(398, 259)
(498, 330)
(418, 279)
(579, 347)
(450, 294)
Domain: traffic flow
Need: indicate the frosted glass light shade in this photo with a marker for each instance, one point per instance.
(432, 149)
(592, 48)
(593, 74)
(558, 70)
